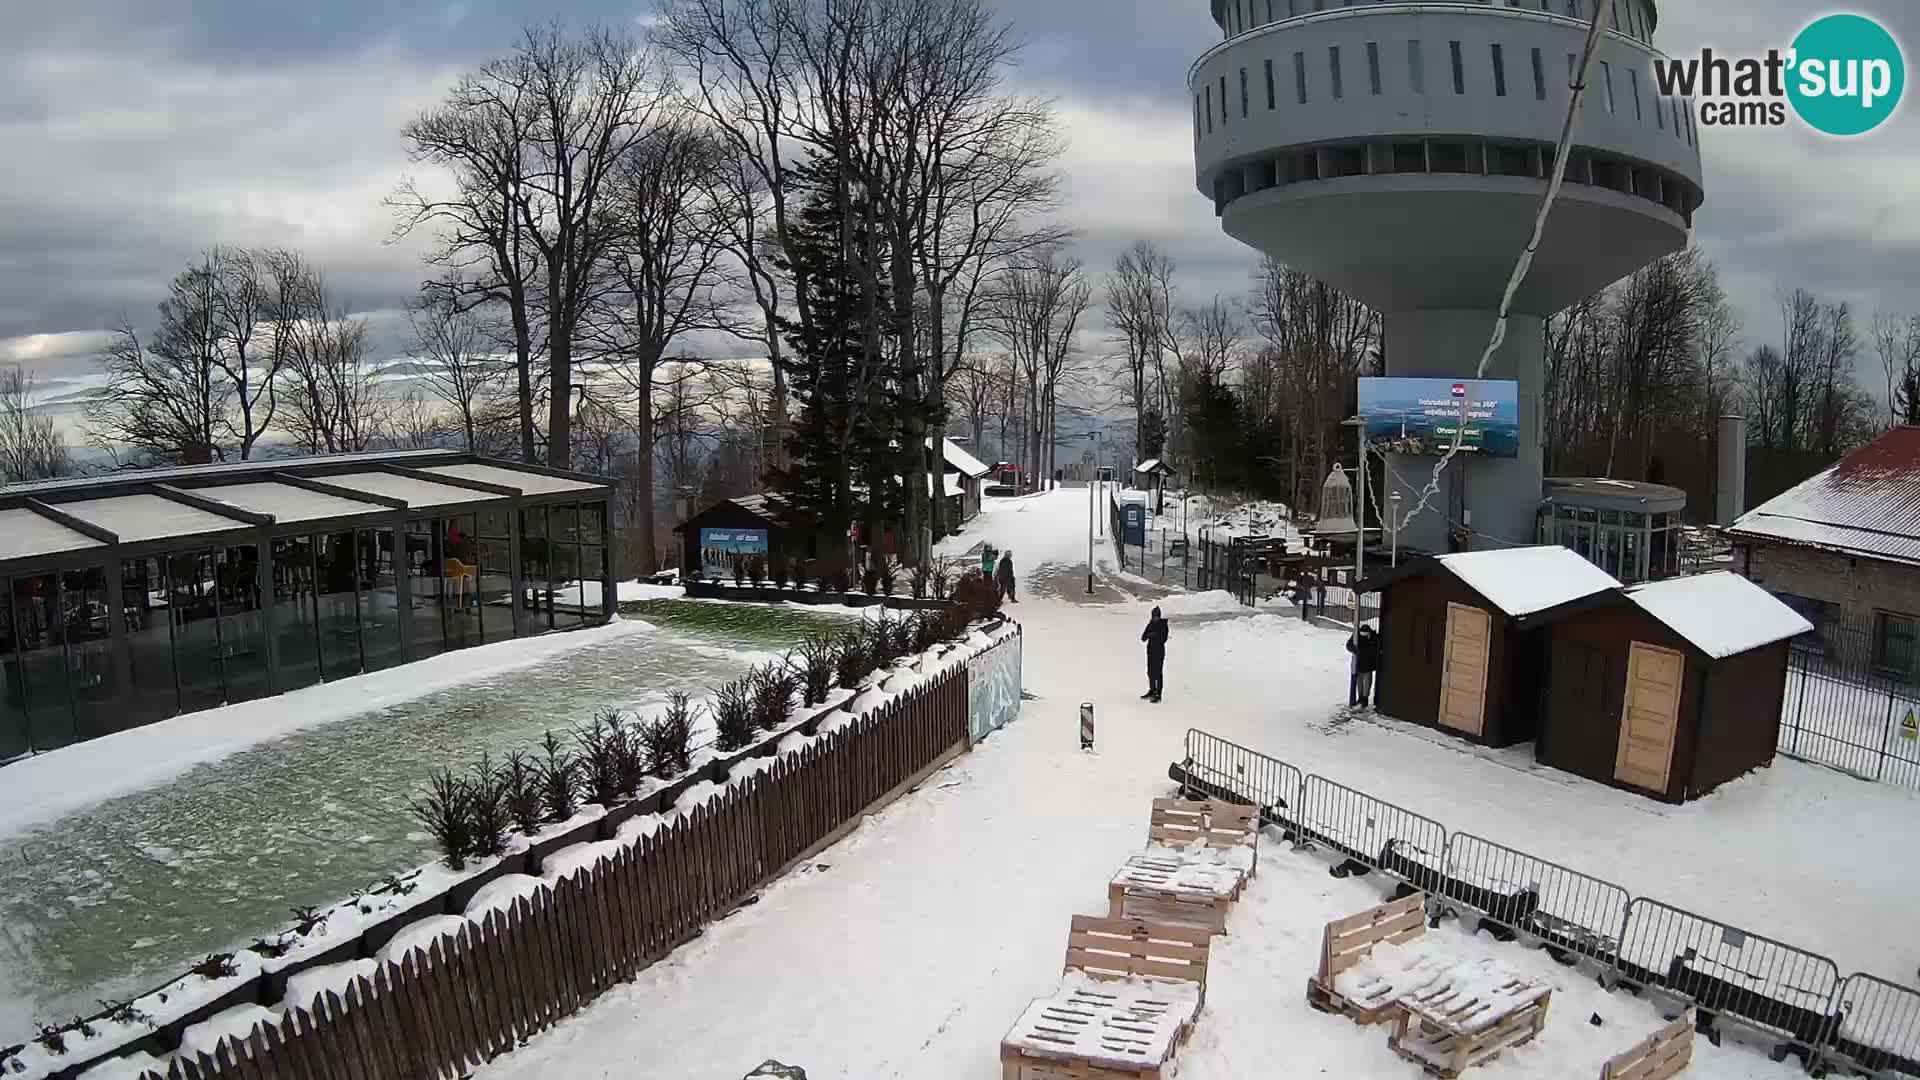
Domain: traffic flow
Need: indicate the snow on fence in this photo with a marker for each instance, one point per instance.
(1755, 981)
(538, 957)
(1788, 993)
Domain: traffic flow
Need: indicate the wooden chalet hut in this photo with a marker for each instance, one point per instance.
(1671, 688)
(1453, 654)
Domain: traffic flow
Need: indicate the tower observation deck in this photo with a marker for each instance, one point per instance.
(1399, 152)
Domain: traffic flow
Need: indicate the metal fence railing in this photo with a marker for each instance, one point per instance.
(1754, 981)
(1568, 911)
(1879, 1028)
(1849, 694)
(1792, 997)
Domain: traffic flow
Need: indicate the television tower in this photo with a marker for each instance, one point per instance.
(1399, 152)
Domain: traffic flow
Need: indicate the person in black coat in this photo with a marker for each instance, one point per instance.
(1365, 647)
(1155, 635)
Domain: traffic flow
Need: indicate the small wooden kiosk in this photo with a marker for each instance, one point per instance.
(1452, 653)
(1670, 688)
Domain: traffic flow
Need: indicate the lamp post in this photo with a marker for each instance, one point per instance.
(1393, 523)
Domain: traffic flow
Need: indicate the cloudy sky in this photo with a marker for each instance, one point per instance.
(135, 133)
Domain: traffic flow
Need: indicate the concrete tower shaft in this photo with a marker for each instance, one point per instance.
(1399, 151)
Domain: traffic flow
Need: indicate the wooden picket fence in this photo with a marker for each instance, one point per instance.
(470, 996)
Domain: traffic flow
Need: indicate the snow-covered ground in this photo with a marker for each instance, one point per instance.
(909, 948)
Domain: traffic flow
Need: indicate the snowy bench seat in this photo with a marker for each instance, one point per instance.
(1127, 999)
(1219, 830)
(1351, 981)
(1467, 1015)
(1163, 887)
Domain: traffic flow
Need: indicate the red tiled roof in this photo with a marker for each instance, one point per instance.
(1868, 504)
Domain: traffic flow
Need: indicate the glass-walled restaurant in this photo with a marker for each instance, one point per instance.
(1632, 530)
(135, 597)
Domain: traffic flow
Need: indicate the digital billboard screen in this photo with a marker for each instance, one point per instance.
(1421, 416)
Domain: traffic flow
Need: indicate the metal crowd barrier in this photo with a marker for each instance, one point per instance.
(1380, 835)
(1571, 913)
(1792, 996)
(1732, 974)
(1879, 1030)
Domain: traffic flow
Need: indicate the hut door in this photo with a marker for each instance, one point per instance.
(1649, 717)
(1463, 675)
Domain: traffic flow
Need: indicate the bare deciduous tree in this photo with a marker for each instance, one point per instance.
(1897, 341)
(165, 396)
(461, 366)
(1140, 306)
(30, 446)
(1038, 305)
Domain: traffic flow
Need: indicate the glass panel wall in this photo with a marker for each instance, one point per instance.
(242, 629)
(192, 606)
(143, 597)
(460, 581)
(593, 555)
(88, 629)
(379, 600)
(534, 563)
(494, 549)
(13, 686)
(296, 618)
(43, 661)
(563, 571)
(424, 565)
(336, 564)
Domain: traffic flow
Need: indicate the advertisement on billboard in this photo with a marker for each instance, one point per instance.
(1420, 416)
(721, 548)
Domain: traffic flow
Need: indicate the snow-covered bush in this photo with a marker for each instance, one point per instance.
(733, 714)
(611, 760)
(668, 738)
(442, 811)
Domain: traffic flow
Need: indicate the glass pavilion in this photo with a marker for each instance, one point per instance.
(1631, 530)
(136, 596)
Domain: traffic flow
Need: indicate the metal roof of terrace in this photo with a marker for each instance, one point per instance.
(70, 521)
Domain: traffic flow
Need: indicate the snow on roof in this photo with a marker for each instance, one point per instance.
(528, 483)
(1521, 581)
(417, 494)
(286, 502)
(962, 460)
(1869, 503)
(1147, 466)
(1722, 614)
(24, 533)
(149, 517)
(953, 485)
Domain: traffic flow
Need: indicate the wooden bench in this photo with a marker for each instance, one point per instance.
(1656, 1057)
(1229, 829)
(1128, 998)
(1346, 942)
(1468, 1016)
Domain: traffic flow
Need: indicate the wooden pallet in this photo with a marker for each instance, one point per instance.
(1172, 892)
(1445, 1051)
(1347, 941)
(1088, 1032)
(1658, 1056)
(1180, 823)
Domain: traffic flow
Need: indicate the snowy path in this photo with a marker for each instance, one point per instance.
(909, 948)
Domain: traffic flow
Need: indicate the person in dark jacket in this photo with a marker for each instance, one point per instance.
(1003, 577)
(1155, 635)
(1365, 647)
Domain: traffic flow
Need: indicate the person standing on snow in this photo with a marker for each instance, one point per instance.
(1003, 577)
(1155, 635)
(1365, 647)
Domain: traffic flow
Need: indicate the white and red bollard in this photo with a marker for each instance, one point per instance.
(1086, 725)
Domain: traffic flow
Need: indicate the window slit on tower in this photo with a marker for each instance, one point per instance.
(1499, 72)
(1373, 67)
(1606, 76)
(1300, 76)
(1223, 99)
(1209, 96)
(1416, 71)
(1539, 77)
(1633, 82)
(1459, 73)
(1243, 93)
(1333, 65)
(1269, 66)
